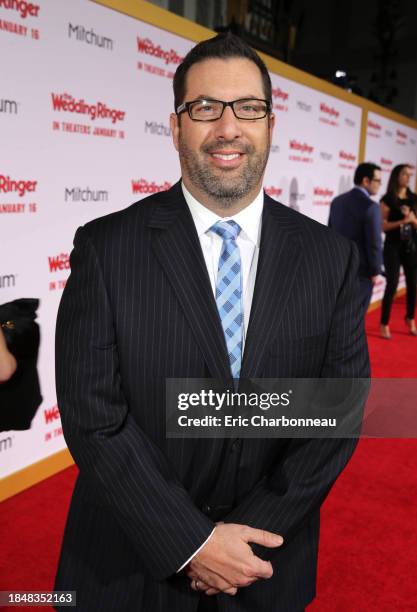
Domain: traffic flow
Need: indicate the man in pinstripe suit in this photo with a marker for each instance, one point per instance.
(161, 525)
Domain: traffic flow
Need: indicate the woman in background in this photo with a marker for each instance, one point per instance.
(20, 394)
(7, 360)
(399, 222)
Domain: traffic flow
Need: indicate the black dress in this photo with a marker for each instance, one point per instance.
(400, 249)
(20, 396)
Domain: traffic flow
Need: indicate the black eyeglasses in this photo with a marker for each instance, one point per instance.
(248, 109)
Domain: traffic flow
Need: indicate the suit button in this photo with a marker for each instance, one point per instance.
(206, 509)
(235, 446)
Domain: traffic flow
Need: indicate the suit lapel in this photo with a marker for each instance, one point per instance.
(279, 258)
(177, 247)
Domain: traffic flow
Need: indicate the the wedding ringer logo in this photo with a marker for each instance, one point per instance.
(329, 115)
(60, 262)
(301, 147)
(51, 414)
(273, 192)
(148, 47)
(280, 99)
(67, 103)
(329, 110)
(322, 196)
(26, 9)
(277, 92)
(323, 192)
(347, 156)
(147, 187)
(21, 186)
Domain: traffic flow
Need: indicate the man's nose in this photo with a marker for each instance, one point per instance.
(228, 126)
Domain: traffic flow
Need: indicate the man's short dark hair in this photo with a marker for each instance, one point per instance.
(223, 46)
(365, 170)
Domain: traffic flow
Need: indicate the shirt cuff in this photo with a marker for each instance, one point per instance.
(194, 554)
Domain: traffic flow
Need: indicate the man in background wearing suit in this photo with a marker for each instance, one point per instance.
(357, 217)
(174, 525)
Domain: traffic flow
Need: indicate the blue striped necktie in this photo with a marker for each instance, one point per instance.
(229, 292)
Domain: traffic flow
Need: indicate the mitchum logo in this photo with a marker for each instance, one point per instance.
(157, 129)
(8, 106)
(304, 106)
(5, 444)
(80, 194)
(7, 280)
(81, 34)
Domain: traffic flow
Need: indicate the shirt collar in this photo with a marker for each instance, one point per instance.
(363, 190)
(249, 218)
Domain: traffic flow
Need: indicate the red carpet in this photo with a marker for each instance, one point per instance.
(368, 546)
(368, 552)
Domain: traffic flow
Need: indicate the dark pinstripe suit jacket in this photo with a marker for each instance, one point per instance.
(139, 308)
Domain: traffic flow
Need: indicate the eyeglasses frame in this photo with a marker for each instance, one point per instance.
(185, 106)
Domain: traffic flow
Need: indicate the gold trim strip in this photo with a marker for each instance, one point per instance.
(159, 17)
(362, 141)
(32, 474)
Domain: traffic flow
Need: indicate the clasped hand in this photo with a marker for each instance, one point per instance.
(226, 562)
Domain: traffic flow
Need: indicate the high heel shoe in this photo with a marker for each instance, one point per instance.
(411, 324)
(385, 332)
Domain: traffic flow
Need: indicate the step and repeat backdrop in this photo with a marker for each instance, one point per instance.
(315, 147)
(85, 98)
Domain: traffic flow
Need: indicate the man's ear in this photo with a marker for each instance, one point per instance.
(175, 129)
(271, 123)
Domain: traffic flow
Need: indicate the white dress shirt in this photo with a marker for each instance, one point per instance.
(248, 240)
(249, 219)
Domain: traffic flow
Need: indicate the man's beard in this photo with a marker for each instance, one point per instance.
(224, 186)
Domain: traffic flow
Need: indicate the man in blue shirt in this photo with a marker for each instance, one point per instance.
(357, 217)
